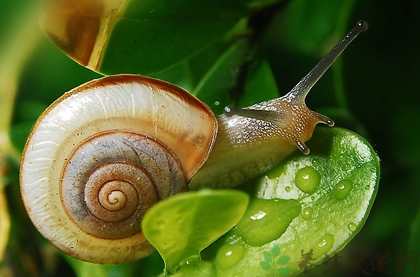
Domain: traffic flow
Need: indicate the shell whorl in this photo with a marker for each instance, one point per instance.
(112, 179)
(105, 152)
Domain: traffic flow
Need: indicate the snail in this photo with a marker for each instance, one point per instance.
(103, 153)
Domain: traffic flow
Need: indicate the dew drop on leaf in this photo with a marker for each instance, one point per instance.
(307, 179)
(324, 245)
(315, 162)
(342, 189)
(307, 213)
(263, 223)
(229, 255)
(352, 227)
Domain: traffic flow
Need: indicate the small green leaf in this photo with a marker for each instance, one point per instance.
(183, 225)
(284, 271)
(268, 257)
(275, 250)
(265, 265)
(283, 260)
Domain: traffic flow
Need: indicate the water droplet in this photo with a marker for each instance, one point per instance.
(266, 220)
(288, 188)
(307, 179)
(342, 189)
(259, 215)
(324, 245)
(315, 162)
(352, 227)
(216, 103)
(229, 255)
(307, 213)
(347, 167)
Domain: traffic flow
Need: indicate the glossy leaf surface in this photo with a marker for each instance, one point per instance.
(309, 203)
(216, 86)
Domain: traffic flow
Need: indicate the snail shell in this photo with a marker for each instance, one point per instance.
(103, 154)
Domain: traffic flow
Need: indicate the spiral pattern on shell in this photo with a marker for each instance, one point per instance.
(112, 179)
(103, 154)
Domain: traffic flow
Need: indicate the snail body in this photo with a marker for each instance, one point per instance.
(105, 152)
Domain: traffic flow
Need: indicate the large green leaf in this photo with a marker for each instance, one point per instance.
(183, 225)
(309, 203)
(137, 36)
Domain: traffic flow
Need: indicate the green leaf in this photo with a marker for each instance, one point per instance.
(147, 28)
(316, 20)
(260, 86)
(275, 251)
(329, 215)
(265, 265)
(183, 225)
(283, 260)
(213, 89)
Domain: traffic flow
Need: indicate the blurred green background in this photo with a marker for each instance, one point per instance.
(372, 90)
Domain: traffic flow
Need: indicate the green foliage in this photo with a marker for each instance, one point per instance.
(283, 215)
(371, 91)
(157, 34)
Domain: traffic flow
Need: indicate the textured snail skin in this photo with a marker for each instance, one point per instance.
(247, 147)
(105, 152)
